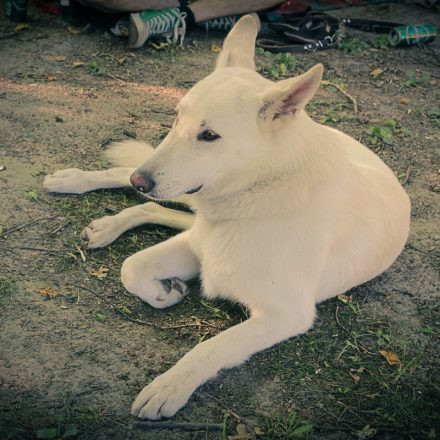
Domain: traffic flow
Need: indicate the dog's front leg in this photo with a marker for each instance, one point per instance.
(170, 391)
(76, 181)
(103, 231)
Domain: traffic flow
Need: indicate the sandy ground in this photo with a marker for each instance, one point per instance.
(74, 363)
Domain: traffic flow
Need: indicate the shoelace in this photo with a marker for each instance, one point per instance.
(180, 28)
(224, 23)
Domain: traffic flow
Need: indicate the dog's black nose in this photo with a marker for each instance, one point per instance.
(142, 183)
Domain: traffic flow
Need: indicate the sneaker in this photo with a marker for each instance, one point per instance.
(221, 23)
(145, 24)
(120, 29)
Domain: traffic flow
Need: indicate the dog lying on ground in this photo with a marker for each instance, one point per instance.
(288, 213)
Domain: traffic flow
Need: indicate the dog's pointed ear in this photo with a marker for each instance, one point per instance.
(239, 46)
(284, 98)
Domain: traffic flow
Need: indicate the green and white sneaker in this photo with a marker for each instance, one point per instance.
(221, 23)
(145, 24)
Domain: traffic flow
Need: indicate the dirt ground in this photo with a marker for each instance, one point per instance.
(75, 348)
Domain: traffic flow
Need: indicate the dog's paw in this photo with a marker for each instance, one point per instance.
(160, 294)
(100, 233)
(71, 181)
(164, 396)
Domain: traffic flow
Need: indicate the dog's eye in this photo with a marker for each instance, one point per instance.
(208, 136)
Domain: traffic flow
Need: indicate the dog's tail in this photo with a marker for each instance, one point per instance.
(130, 154)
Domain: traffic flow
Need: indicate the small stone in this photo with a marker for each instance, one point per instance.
(59, 119)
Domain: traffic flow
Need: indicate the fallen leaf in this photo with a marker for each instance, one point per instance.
(376, 72)
(100, 273)
(346, 299)
(60, 58)
(390, 356)
(63, 306)
(73, 31)
(216, 48)
(51, 77)
(100, 317)
(78, 63)
(356, 378)
(121, 61)
(258, 430)
(48, 292)
(404, 101)
(22, 27)
(242, 433)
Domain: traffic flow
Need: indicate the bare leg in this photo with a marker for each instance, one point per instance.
(157, 274)
(170, 391)
(105, 230)
(75, 181)
(209, 9)
(202, 9)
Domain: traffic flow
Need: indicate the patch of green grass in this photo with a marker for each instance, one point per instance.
(339, 379)
(386, 133)
(7, 286)
(416, 79)
(67, 420)
(352, 45)
(434, 116)
(285, 428)
(379, 42)
(32, 195)
(277, 66)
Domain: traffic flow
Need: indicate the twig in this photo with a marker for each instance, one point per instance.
(81, 253)
(422, 251)
(177, 425)
(17, 228)
(63, 225)
(139, 321)
(351, 98)
(236, 416)
(338, 322)
(406, 178)
(41, 249)
(114, 77)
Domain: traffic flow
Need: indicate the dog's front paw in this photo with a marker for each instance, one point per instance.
(164, 396)
(101, 232)
(71, 181)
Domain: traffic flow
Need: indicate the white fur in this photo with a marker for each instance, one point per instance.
(290, 213)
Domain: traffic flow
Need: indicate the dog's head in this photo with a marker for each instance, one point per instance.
(225, 123)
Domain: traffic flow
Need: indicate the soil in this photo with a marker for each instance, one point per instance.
(79, 358)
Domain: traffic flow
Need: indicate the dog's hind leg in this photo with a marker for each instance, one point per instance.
(75, 181)
(102, 232)
(157, 274)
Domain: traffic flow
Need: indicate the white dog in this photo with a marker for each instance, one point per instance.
(288, 213)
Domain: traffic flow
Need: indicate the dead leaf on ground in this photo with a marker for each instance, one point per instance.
(376, 72)
(51, 77)
(242, 433)
(22, 27)
(100, 273)
(48, 292)
(78, 63)
(60, 58)
(390, 356)
(73, 31)
(404, 101)
(216, 48)
(356, 378)
(121, 61)
(345, 298)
